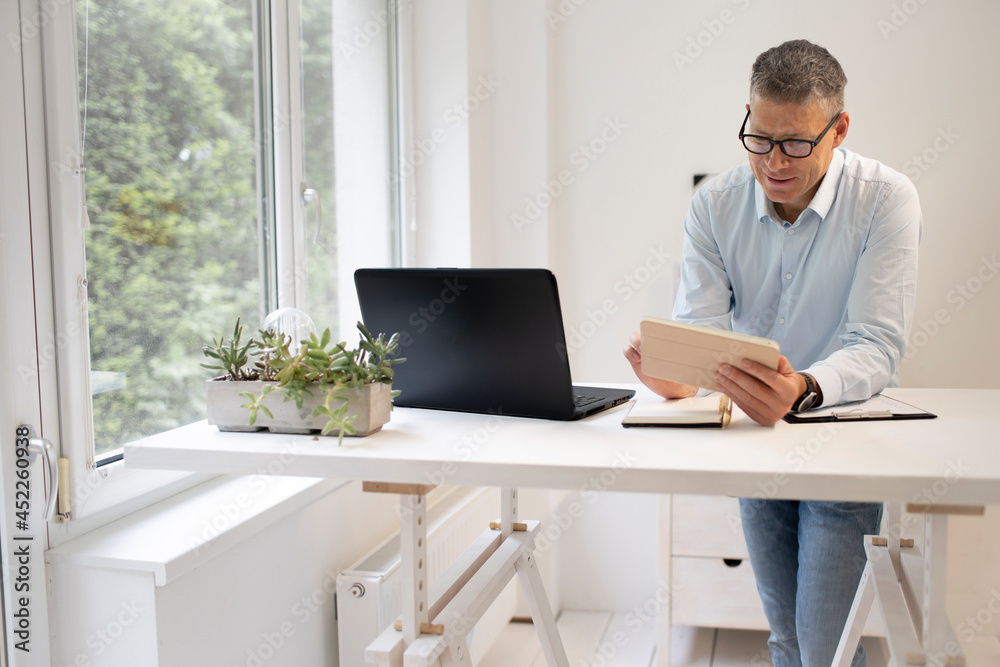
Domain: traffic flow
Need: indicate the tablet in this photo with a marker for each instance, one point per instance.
(691, 354)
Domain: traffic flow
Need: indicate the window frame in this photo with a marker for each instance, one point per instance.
(21, 347)
(102, 493)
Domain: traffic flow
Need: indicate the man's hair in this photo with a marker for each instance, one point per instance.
(799, 72)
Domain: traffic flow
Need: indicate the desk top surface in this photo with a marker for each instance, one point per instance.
(954, 459)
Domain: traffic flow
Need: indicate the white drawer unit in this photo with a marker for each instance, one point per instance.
(707, 526)
(704, 561)
(715, 592)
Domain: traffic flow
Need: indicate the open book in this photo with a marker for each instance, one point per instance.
(712, 411)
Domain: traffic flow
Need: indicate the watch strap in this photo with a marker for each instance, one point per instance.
(810, 397)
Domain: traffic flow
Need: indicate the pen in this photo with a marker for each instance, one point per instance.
(879, 414)
(725, 409)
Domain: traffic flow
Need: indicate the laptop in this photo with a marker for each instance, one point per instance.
(479, 340)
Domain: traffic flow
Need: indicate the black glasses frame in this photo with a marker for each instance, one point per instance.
(781, 144)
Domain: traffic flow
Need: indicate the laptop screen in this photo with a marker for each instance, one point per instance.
(475, 340)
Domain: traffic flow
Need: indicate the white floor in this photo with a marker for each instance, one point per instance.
(605, 639)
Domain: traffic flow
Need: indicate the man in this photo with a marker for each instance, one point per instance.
(815, 247)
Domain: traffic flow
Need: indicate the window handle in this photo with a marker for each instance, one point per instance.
(308, 195)
(42, 446)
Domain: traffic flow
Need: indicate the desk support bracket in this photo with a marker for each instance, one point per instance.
(452, 606)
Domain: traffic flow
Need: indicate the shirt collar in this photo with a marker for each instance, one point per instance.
(821, 201)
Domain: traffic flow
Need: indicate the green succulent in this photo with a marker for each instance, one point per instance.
(317, 365)
(232, 357)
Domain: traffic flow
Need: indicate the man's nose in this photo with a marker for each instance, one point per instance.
(776, 159)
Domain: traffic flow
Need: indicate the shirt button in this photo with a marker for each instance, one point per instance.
(788, 276)
(791, 232)
(781, 321)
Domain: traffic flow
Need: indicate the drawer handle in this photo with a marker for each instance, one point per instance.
(732, 562)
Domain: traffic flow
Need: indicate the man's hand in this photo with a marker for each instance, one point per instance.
(763, 394)
(664, 388)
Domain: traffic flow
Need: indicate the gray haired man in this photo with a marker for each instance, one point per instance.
(815, 247)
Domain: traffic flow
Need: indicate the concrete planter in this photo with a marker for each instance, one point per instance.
(372, 403)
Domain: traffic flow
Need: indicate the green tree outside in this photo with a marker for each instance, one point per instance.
(172, 254)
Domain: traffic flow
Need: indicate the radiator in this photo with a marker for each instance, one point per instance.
(368, 593)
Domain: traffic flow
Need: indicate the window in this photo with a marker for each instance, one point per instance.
(201, 182)
(175, 249)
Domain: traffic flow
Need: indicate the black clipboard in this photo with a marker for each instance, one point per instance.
(876, 408)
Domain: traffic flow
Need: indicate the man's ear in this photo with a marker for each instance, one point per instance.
(840, 129)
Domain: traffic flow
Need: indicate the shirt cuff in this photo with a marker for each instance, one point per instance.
(829, 383)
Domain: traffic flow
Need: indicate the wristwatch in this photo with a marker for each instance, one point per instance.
(809, 398)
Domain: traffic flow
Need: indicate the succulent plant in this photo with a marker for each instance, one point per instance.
(315, 365)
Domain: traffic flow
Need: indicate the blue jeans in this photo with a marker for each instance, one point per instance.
(807, 558)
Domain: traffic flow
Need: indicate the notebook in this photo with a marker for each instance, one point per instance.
(479, 340)
(712, 411)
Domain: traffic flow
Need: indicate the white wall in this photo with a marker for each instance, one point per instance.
(656, 89)
(930, 79)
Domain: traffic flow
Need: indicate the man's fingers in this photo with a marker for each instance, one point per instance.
(745, 381)
(742, 388)
(631, 354)
(754, 396)
(784, 366)
(744, 401)
(762, 372)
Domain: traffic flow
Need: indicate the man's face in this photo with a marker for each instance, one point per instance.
(787, 181)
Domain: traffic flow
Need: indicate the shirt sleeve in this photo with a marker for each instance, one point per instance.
(880, 304)
(705, 294)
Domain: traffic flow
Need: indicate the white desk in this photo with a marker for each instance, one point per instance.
(951, 460)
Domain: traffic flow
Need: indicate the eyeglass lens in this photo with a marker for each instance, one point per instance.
(761, 146)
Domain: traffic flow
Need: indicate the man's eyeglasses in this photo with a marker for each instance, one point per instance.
(790, 147)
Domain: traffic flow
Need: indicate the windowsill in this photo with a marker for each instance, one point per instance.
(175, 535)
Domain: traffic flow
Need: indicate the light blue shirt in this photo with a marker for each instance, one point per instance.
(836, 289)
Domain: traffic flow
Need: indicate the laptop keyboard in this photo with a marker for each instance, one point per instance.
(580, 400)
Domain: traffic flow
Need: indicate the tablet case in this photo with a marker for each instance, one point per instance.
(691, 354)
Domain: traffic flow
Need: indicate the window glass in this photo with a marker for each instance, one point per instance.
(174, 251)
(316, 60)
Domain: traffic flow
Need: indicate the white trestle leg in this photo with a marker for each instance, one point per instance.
(437, 619)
